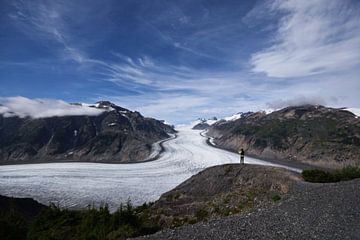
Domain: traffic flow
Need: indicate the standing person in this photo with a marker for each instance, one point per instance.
(242, 156)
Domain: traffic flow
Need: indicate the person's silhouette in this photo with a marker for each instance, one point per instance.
(242, 155)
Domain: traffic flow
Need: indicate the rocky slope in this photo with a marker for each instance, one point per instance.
(315, 135)
(26, 207)
(203, 123)
(313, 211)
(116, 135)
(221, 191)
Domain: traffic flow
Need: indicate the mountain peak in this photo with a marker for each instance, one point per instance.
(104, 104)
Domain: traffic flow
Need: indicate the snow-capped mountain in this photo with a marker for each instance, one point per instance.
(202, 123)
(237, 116)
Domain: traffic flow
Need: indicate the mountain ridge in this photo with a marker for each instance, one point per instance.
(115, 135)
(312, 134)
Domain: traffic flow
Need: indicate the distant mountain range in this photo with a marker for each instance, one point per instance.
(311, 134)
(203, 123)
(115, 135)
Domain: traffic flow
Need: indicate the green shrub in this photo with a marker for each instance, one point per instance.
(276, 197)
(12, 226)
(127, 221)
(320, 176)
(201, 214)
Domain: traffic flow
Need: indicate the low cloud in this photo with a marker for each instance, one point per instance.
(297, 101)
(42, 108)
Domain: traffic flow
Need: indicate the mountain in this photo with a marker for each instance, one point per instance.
(203, 123)
(237, 116)
(316, 135)
(115, 135)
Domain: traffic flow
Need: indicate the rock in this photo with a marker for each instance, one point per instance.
(26, 207)
(201, 126)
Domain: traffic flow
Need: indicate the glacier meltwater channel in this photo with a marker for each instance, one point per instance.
(77, 185)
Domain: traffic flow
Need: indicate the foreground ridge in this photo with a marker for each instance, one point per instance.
(315, 211)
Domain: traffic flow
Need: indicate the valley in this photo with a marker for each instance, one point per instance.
(77, 185)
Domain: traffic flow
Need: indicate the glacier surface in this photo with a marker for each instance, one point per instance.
(77, 185)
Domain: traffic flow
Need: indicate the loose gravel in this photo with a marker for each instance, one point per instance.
(313, 211)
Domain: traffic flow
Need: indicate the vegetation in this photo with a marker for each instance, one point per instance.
(55, 223)
(320, 176)
(276, 197)
(12, 226)
(201, 215)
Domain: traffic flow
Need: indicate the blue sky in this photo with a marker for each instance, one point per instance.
(180, 60)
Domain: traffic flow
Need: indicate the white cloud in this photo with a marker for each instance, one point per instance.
(42, 108)
(47, 21)
(296, 101)
(312, 37)
(318, 36)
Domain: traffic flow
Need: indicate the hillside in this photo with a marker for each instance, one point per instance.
(115, 135)
(221, 191)
(311, 211)
(314, 135)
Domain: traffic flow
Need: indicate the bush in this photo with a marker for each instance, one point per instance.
(127, 221)
(320, 176)
(201, 214)
(12, 226)
(276, 197)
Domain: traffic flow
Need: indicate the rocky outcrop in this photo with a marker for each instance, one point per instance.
(26, 207)
(202, 123)
(116, 135)
(315, 135)
(221, 191)
(201, 126)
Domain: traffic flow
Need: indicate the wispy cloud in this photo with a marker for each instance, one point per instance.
(182, 60)
(39, 19)
(42, 108)
(312, 37)
(49, 22)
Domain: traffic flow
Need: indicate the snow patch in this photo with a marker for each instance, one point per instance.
(201, 120)
(269, 110)
(233, 117)
(355, 111)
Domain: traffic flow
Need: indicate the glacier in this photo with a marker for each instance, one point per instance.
(78, 185)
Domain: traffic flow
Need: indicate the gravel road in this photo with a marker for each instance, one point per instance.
(313, 211)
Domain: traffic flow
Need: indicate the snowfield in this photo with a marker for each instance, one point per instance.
(76, 185)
